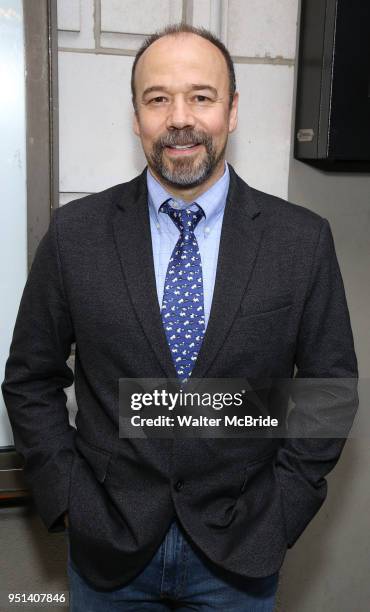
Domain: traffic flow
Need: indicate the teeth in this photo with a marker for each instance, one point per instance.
(183, 146)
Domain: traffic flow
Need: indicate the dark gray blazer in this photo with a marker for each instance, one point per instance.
(278, 304)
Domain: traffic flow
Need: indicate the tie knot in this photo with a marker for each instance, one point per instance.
(185, 220)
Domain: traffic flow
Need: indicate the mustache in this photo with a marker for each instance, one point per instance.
(183, 137)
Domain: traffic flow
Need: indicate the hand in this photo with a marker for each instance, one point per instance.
(66, 521)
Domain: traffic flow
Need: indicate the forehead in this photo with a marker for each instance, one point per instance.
(181, 57)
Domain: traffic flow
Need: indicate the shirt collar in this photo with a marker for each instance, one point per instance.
(211, 201)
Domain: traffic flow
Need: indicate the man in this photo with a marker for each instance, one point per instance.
(160, 524)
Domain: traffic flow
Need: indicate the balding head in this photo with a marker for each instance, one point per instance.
(174, 30)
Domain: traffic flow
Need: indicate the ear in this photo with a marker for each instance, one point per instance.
(135, 124)
(233, 116)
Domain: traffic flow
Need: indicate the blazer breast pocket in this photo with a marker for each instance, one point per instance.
(263, 320)
(255, 304)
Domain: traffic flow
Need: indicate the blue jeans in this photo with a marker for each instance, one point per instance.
(176, 578)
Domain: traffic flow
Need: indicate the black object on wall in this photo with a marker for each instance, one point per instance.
(332, 128)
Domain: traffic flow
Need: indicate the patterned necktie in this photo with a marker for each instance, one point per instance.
(183, 301)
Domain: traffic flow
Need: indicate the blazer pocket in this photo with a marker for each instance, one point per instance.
(261, 304)
(97, 458)
(253, 467)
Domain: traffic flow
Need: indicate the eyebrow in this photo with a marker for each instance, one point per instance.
(192, 87)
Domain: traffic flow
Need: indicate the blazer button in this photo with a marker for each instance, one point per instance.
(179, 484)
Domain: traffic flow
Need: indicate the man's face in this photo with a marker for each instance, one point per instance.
(183, 115)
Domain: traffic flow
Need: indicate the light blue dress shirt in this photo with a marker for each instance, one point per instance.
(208, 231)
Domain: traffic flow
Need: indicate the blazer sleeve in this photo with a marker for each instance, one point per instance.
(35, 375)
(325, 350)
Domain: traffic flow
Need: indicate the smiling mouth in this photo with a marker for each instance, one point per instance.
(181, 147)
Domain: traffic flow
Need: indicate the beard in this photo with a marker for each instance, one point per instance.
(185, 172)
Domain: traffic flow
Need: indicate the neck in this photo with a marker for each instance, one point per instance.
(192, 193)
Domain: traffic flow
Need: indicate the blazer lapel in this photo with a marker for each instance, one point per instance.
(240, 239)
(131, 226)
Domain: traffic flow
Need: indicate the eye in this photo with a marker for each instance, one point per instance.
(202, 98)
(158, 100)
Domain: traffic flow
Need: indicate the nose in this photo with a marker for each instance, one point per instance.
(179, 114)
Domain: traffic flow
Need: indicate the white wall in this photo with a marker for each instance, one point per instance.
(13, 209)
(97, 42)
